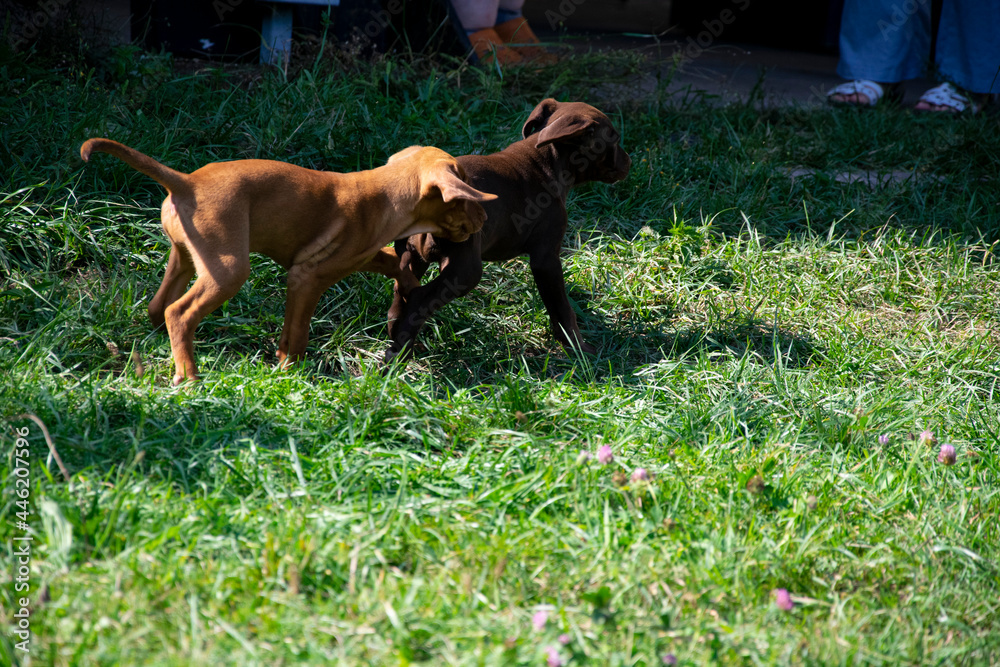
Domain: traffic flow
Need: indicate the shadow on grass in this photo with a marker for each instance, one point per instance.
(763, 340)
(217, 434)
(625, 347)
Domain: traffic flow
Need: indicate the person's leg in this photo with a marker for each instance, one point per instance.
(886, 41)
(513, 29)
(476, 14)
(509, 10)
(968, 44)
(479, 18)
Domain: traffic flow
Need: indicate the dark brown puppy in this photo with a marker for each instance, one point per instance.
(564, 143)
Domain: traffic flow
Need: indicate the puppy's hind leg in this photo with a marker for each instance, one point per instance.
(180, 270)
(305, 287)
(216, 284)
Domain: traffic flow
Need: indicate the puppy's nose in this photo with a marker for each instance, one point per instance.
(624, 162)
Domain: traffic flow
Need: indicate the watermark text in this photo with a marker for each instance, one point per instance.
(21, 544)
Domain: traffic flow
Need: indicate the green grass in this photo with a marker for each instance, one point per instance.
(749, 324)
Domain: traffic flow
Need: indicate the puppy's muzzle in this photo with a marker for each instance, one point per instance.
(462, 221)
(622, 164)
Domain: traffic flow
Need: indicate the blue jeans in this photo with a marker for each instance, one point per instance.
(890, 40)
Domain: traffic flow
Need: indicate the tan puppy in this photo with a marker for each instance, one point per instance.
(319, 225)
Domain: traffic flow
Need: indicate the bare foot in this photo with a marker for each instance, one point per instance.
(948, 98)
(927, 106)
(859, 99)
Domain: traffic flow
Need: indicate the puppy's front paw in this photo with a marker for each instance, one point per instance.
(578, 344)
(399, 352)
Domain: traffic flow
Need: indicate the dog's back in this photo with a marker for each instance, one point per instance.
(512, 217)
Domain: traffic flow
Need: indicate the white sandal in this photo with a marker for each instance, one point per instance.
(870, 89)
(947, 95)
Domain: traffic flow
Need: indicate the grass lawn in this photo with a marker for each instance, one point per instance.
(759, 329)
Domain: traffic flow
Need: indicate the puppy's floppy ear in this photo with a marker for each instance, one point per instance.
(539, 117)
(563, 128)
(566, 126)
(465, 214)
(445, 178)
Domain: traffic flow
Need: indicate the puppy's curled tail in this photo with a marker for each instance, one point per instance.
(162, 174)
